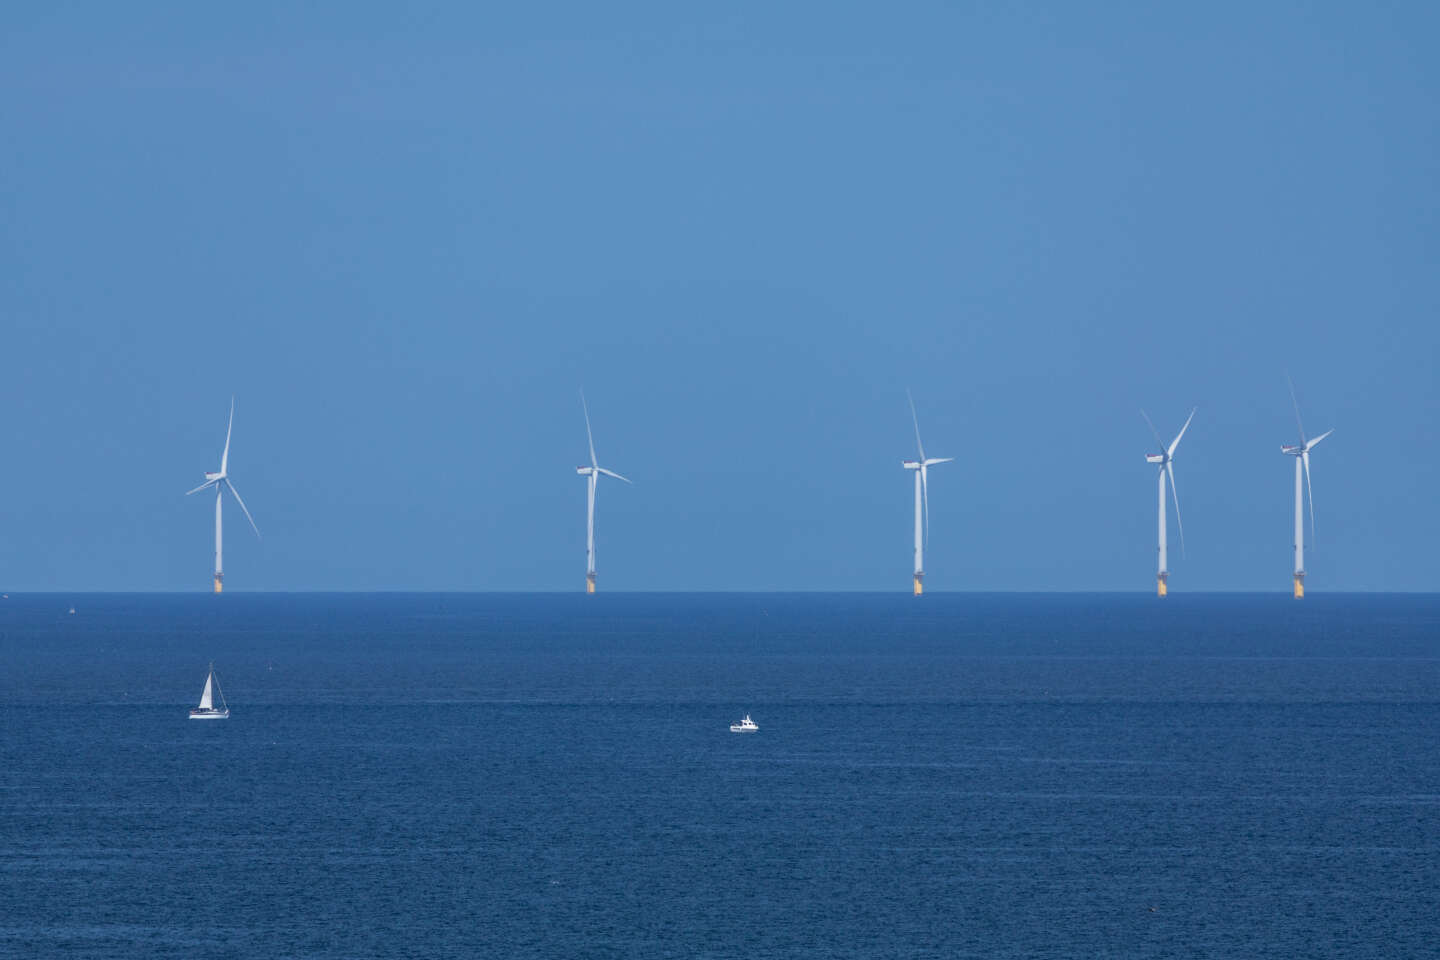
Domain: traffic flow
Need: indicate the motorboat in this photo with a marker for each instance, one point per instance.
(745, 726)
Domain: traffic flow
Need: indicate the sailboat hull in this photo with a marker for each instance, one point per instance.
(210, 714)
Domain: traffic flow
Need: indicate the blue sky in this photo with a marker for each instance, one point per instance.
(404, 239)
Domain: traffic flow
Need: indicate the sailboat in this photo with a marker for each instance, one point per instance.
(207, 709)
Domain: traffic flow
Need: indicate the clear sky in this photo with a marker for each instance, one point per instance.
(405, 238)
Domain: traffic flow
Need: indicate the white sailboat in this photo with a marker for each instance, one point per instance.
(207, 709)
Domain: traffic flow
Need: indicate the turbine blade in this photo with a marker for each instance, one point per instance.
(202, 486)
(1296, 404)
(1310, 493)
(1175, 495)
(588, 435)
(231, 486)
(612, 473)
(1311, 444)
(1171, 451)
(1159, 444)
(916, 421)
(225, 457)
(934, 460)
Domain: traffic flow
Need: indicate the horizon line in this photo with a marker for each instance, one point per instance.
(777, 592)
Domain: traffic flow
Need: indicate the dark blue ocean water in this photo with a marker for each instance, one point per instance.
(553, 776)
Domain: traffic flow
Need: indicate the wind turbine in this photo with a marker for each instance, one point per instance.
(591, 472)
(1166, 459)
(220, 481)
(922, 497)
(1301, 454)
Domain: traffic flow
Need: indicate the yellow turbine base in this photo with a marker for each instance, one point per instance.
(1299, 585)
(219, 583)
(589, 584)
(919, 585)
(1160, 588)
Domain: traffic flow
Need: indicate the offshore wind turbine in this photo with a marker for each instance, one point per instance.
(592, 475)
(922, 497)
(1166, 459)
(1301, 453)
(221, 481)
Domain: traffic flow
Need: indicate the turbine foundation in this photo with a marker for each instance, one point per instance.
(1299, 584)
(219, 583)
(919, 584)
(589, 583)
(1160, 588)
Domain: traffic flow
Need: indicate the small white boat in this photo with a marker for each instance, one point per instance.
(207, 709)
(745, 726)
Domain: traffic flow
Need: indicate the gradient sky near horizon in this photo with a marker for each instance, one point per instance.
(404, 239)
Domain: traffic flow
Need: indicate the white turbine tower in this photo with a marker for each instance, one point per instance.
(220, 481)
(1301, 454)
(592, 474)
(1166, 459)
(922, 497)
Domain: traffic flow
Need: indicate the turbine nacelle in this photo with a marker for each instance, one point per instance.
(584, 471)
(1166, 454)
(214, 476)
(910, 464)
(1305, 446)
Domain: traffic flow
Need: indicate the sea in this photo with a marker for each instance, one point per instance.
(544, 775)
